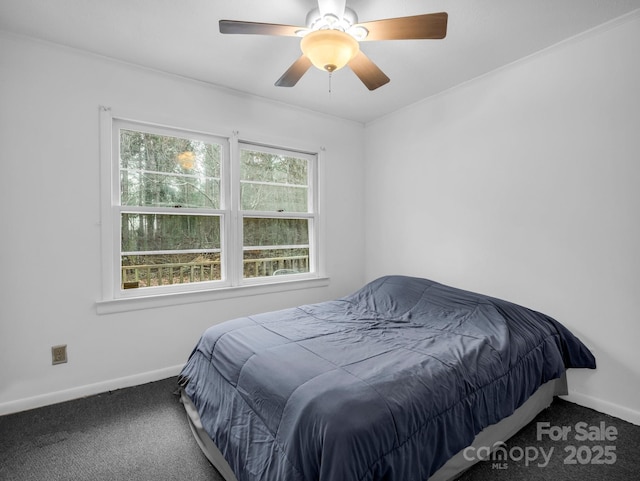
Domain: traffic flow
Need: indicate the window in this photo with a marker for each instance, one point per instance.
(276, 206)
(189, 211)
(171, 212)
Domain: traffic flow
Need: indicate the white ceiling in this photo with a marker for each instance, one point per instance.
(182, 37)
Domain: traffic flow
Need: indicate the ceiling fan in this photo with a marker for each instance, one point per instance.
(332, 36)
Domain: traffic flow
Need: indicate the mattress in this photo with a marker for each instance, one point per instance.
(388, 383)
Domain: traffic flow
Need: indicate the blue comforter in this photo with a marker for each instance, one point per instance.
(385, 384)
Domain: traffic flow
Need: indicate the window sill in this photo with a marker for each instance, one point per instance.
(164, 300)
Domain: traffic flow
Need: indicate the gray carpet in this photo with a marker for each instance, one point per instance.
(141, 433)
(138, 433)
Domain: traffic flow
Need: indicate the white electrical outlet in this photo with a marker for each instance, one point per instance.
(59, 354)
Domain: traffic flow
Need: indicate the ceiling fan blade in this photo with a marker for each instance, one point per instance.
(427, 26)
(367, 71)
(257, 28)
(294, 73)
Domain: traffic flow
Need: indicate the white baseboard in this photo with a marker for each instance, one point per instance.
(88, 390)
(615, 410)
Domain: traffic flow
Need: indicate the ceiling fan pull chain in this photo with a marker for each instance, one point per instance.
(330, 75)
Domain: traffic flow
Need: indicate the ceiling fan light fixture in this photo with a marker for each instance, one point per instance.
(329, 50)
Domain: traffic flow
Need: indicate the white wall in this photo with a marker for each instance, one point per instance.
(522, 184)
(50, 214)
(525, 184)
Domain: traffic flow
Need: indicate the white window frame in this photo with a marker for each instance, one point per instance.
(312, 216)
(116, 299)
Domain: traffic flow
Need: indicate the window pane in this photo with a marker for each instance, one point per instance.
(159, 170)
(271, 182)
(161, 190)
(160, 240)
(275, 232)
(275, 198)
(166, 232)
(275, 246)
(275, 262)
(160, 270)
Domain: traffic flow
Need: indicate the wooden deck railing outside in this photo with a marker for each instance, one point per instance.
(176, 273)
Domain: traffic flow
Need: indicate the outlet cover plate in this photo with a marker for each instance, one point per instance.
(59, 354)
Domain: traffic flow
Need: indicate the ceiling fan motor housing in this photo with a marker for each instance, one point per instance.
(316, 21)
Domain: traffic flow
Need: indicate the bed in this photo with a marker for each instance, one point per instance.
(391, 383)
